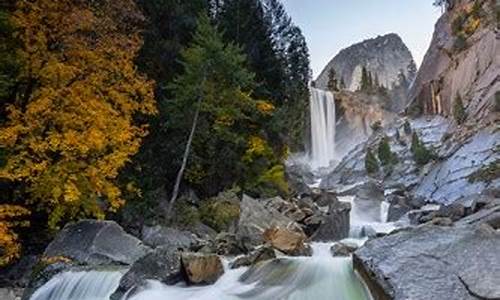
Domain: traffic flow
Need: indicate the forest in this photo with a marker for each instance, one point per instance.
(115, 109)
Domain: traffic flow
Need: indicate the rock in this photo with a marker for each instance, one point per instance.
(490, 216)
(255, 218)
(386, 56)
(433, 263)
(160, 235)
(92, 242)
(335, 224)
(224, 244)
(287, 241)
(398, 207)
(10, 293)
(453, 212)
(163, 264)
(343, 249)
(18, 273)
(201, 269)
(324, 199)
(287, 208)
(261, 254)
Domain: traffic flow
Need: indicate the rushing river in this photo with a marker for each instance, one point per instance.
(321, 276)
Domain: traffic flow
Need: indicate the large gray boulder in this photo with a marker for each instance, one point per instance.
(91, 242)
(335, 224)
(255, 218)
(163, 264)
(433, 263)
(158, 235)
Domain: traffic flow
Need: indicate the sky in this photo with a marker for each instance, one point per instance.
(331, 25)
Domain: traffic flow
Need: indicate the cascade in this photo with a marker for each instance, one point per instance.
(91, 285)
(322, 106)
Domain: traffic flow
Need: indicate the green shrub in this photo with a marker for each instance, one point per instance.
(371, 163)
(421, 154)
(185, 214)
(219, 214)
(385, 154)
(459, 110)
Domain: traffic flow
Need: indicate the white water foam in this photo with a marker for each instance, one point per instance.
(91, 285)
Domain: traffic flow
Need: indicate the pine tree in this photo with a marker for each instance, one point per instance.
(333, 84)
(218, 119)
(371, 163)
(385, 155)
(365, 80)
(9, 62)
(421, 154)
(459, 110)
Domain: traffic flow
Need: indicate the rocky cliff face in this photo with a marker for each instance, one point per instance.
(463, 60)
(386, 56)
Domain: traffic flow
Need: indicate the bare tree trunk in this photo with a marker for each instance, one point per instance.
(180, 174)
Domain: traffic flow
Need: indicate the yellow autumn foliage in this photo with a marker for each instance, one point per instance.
(265, 107)
(9, 245)
(72, 129)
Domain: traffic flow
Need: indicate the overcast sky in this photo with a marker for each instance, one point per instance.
(331, 25)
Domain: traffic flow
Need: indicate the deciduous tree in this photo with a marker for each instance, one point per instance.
(72, 127)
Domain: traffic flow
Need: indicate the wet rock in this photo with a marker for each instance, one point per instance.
(163, 264)
(92, 242)
(343, 249)
(287, 241)
(335, 224)
(261, 254)
(161, 235)
(255, 218)
(201, 269)
(434, 263)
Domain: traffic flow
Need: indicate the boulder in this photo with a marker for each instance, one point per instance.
(161, 235)
(335, 224)
(91, 242)
(163, 264)
(490, 216)
(433, 263)
(201, 269)
(261, 254)
(287, 208)
(255, 218)
(343, 249)
(224, 244)
(287, 241)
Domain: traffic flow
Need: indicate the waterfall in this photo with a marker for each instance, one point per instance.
(322, 106)
(289, 278)
(91, 285)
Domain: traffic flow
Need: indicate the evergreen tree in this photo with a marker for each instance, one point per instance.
(459, 110)
(212, 96)
(421, 154)
(365, 81)
(385, 155)
(333, 84)
(244, 22)
(371, 163)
